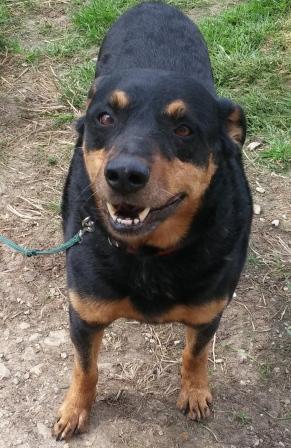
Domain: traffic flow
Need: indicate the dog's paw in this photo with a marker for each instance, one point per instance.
(194, 401)
(73, 419)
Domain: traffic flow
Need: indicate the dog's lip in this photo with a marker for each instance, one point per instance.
(140, 220)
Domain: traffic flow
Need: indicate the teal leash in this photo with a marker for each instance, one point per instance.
(87, 226)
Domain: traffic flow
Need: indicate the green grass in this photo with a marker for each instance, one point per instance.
(62, 118)
(7, 43)
(243, 418)
(249, 53)
(248, 49)
(75, 83)
(248, 46)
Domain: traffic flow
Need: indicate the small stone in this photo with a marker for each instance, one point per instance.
(253, 145)
(257, 442)
(29, 276)
(160, 432)
(281, 444)
(275, 223)
(44, 431)
(277, 369)
(234, 295)
(28, 354)
(56, 338)
(18, 340)
(24, 325)
(34, 337)
(15, 381)
(260, 190)
(4, 372)
(242, 356)
(257, 209)
(64, 355)
(37, 370)
(26, 375)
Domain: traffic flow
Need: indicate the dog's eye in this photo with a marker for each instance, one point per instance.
(183, 131)
(105, 119)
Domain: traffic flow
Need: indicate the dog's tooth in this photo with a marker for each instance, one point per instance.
(111, 210)
(136, 221)
(119, 220)
(142, 215)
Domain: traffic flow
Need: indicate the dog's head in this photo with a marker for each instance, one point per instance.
(152, 143)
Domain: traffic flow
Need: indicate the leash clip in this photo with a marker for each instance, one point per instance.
(87, 226)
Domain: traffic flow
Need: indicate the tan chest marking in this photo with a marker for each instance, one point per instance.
(98, 311)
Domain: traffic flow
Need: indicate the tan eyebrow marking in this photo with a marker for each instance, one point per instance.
(119, 99)
(176, 108)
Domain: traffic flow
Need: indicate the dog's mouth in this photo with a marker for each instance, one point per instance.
(130, 219)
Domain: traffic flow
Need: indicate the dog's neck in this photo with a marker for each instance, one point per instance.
(144, 250)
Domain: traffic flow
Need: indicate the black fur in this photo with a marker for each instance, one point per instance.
(81, 336)
(155, 52)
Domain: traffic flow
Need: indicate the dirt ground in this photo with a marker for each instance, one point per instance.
(139, 367)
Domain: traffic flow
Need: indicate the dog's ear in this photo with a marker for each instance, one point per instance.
(233, 121)
(80, 125)
(80, 128)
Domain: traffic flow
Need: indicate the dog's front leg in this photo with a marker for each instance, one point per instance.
(75, 411)
(195, 396)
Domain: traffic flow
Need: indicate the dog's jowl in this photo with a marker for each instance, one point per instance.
(157, 167)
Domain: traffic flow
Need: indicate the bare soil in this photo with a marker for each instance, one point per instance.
(139, 365)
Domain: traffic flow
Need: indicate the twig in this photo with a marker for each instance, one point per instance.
(211, 432)
(213, 352)
(277, 418)
(21, 215)
(242, 304)
(38, 207)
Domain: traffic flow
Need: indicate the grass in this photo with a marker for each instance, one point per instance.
(248, 46)
(7, 43)
(265, 371)
(62, 118)
(249, 53)
(243, 418)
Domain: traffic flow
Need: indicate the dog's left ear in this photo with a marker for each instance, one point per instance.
(233, 120)
(80, 125)
(80, 128)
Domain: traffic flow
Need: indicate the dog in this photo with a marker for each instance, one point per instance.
(158, 169)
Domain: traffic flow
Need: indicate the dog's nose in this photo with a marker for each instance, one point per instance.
(127, 174)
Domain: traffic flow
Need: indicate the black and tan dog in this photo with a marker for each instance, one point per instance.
(157, 167)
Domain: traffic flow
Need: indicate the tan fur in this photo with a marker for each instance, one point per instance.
(76, 407)
(195, 392)
(119, 99)
(176, 109)
(168, 178)
(102, 311)
(234, 129)
(181, 177)
(95, 161)
(98, 311)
